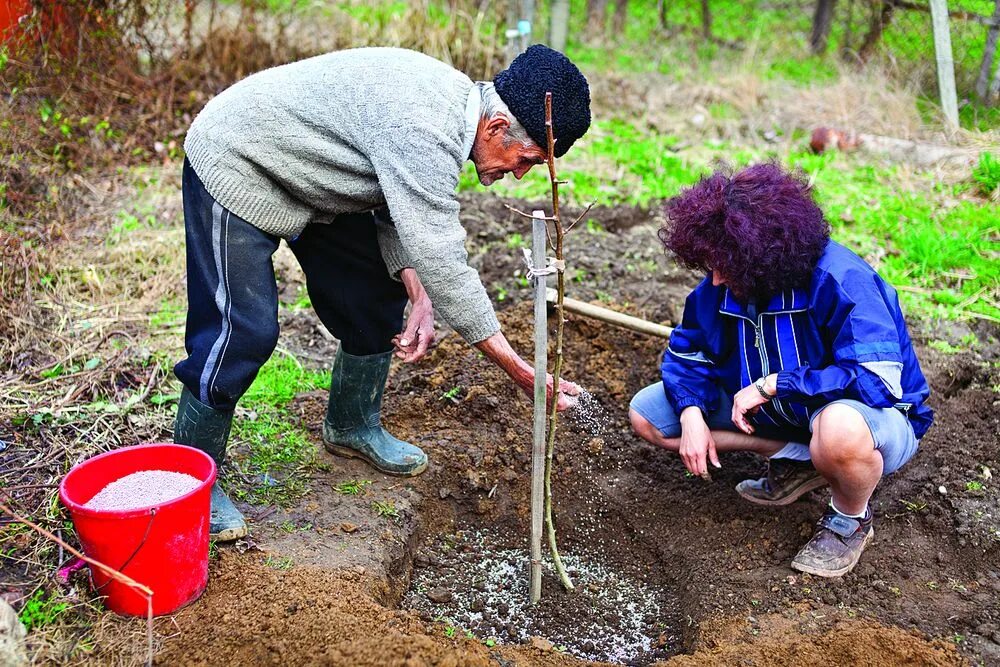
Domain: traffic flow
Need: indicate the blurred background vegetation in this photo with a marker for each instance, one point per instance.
(97, 85)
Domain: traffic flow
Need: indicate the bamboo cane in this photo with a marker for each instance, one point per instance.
(596, 312)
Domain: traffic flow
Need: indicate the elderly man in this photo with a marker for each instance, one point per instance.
(352, 157)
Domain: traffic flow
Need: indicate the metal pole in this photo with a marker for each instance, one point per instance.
(945, 63)
(538, 240)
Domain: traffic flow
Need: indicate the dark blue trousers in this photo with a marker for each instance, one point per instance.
(232, 320)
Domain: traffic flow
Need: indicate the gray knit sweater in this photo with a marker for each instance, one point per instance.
(345, 132)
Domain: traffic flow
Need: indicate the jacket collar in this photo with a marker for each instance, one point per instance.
(788, 301)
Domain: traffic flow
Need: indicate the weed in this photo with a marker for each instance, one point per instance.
(278, 562)
(975, 486)
(943, 346)
(987, 174)
(41, 610)
(490, 642)
(352, 487)
(451, 395)
(912, 506)
(515, 241)
(449, 632)
(386, 509)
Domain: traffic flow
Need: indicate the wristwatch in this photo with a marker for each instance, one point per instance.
(760, 387)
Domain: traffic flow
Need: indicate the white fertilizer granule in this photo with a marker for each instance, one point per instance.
(142, 489)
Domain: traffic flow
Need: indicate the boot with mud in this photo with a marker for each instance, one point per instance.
(353, 424)
(786, 481)
(207, 429)
(836, 545)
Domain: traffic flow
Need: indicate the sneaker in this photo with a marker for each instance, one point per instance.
(836, 545)
(786, 482)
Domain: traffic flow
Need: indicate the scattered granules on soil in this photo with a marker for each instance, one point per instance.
(591, 416)
(142, 489)
(476, 583)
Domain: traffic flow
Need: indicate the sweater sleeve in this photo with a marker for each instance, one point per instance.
(867, 360)
(417, 169)
(391, 247)
(689, 369)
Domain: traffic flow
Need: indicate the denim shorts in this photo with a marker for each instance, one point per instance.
(890, 429)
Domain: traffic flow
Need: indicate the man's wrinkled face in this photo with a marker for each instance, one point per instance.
(495, 156)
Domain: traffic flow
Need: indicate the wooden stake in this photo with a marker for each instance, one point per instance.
(538, 247)
(945, 63)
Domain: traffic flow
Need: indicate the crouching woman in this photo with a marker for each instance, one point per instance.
(792, 347)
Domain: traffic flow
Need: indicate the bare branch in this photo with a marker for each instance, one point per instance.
(523, 214)
(580, 217)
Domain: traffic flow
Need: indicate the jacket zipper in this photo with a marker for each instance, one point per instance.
(758, 327)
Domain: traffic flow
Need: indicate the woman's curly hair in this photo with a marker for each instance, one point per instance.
(759, 228)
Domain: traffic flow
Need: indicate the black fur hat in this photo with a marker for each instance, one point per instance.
(523, 85)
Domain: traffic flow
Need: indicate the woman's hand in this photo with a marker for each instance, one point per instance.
(697, 445)
(748, 400)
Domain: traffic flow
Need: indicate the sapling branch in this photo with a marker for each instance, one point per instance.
(560, 321)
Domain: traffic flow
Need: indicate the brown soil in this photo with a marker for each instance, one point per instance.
(932, 572)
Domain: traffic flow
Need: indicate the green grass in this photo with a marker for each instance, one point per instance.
(935, 244)
(385, 509)
(352, 487)
(280, 453)
(987, 174)
(41, 610)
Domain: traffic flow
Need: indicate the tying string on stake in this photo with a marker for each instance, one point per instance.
(553, 266)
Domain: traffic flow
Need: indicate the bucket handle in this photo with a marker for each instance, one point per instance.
(142, 542)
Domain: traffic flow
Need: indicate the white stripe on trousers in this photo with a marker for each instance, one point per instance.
(223, 301)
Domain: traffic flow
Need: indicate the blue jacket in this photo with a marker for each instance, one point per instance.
(842, 337)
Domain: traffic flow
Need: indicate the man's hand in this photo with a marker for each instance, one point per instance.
(697, 445)
(418, 334)
(748, 400)
(498, 350)
(569, 392)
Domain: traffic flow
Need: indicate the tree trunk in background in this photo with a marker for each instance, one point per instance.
(706, 19)
(559, 26)
(847, 45)
(880, 19)
(661, 10)
(822, 20)
(989, 55)
(621, 12)
(596, 10)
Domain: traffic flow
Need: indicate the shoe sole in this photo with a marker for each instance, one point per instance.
(230, 534)
(811, 485)
(829, 574)
(349, 453)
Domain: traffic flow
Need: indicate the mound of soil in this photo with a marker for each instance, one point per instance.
(716, 567)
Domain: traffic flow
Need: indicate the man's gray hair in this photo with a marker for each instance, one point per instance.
(492, 106)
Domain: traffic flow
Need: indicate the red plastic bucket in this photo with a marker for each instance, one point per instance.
(164, 547)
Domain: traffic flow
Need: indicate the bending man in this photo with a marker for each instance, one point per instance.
(353, 158)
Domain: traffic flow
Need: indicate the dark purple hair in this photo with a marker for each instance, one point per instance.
(759, 228)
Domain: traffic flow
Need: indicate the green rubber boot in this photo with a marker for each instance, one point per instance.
(207, 429)
(353, 424)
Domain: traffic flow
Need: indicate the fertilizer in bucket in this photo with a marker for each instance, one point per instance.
(142, 489)
(144, 511)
